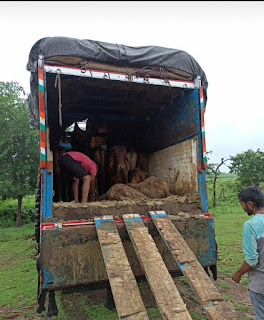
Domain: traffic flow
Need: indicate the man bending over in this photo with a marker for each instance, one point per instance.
(79, 166)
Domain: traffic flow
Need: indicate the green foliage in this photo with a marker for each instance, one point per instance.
(8, 209)
(213, 169)
(18, 144)
(249, 167)
(210, 166)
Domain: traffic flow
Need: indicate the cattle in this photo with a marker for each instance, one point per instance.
(137, 175)
(80, 141)
(91, 142)
(99, 150)
(99, 156)
(118, 165)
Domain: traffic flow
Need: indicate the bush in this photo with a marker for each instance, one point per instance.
(8, 210)
(227, 202)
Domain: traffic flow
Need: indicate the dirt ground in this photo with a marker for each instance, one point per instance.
(236, 300)
(236, 305)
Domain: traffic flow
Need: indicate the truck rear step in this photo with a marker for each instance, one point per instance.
(128, 301)
(199, 281)
(160, 281)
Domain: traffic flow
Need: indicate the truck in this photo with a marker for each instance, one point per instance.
(153, 100)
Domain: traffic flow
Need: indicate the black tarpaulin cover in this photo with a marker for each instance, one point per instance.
(114, 54)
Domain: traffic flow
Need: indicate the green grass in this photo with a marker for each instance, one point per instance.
(154, 314)
(229, 218)
(18, 274)
(228, 233)
(224, 284)
(241, 307)
(17, 267)
(196, 316)
(228, 297)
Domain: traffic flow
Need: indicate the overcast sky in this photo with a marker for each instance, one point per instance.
(225, 38)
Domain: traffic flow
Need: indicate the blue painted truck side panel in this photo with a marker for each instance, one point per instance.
(176, 123)
(47, 190)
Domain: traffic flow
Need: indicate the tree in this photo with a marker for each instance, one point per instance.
(18, 145)
(249, 167)
(214, 169)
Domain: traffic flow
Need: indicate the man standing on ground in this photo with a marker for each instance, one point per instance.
(79, 167)
(252, 201)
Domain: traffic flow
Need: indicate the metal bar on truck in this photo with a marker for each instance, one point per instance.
(128, 301)
(203, 128)
(202, 285)
(201, 155)
(46, 166)
(106, 75)
(165, 292)
(42, 118)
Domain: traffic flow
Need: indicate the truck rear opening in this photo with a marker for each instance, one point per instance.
(159, 121)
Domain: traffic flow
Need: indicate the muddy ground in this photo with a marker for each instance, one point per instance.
(237, 303)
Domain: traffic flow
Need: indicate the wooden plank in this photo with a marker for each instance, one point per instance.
(202, 285)
(128, 301)
(165, 292)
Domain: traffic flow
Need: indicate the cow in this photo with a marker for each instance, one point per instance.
(99, 150)
(98, 147)
(137, 175)
(80, 140)
(119, 165)
(91, 142)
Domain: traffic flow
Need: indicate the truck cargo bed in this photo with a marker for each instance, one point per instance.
(71, 252)
(188, 206)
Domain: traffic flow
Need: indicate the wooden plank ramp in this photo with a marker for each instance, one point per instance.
(164, 290)
(128, 301)
(201, 284)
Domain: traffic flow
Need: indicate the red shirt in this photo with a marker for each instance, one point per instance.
(88, 164)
